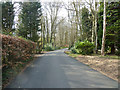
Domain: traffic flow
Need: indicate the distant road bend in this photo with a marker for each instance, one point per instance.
(57, 70)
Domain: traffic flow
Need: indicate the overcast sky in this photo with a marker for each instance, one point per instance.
(62, 12)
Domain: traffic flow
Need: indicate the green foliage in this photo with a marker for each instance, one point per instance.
(70, 46)
(100, 25)
(30, 20)
(74, 50)
(86, 23)
(85, 47)
(49, 47)
(7, 18)
(112, 26)
(23, 38)
(118, 52)
(56, 48)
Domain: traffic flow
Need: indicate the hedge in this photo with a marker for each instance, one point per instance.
(16, 50)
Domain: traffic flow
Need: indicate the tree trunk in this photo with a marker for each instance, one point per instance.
(76, 32)
(104, 31)
(112, 49)
(43, 36)
(47, 27)
(96, 38)
(93, 26)
(51, 38)
(81, 36)
(47, 35)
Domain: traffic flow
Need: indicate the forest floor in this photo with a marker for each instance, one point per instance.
(107, 65)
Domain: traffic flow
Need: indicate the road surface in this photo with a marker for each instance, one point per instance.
(57, 70)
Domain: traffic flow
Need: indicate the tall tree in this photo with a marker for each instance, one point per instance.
(112, 26)
(30, 20)
(100, 24)
(76, 16)
(47, 27)
(52, 9)
(86, 24)
(43, 31)
(96, 36)
(104, 30)
(8, 18)
(53, 12)
(93, 8)
(113, 22)
(74, 19)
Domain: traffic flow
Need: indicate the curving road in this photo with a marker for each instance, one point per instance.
(57, 70)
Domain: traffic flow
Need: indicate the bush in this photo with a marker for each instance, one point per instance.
(56, 48)
(70, 46)
(16, 50)
(16, 53)
(48, 47)
(85, 47)
(74, 50)
(117, 53)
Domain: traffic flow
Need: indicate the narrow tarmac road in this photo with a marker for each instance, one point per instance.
(57, 70)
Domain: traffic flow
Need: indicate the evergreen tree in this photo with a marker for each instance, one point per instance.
(7, 18)
(30, 20)
(100, 25)
(86, 23)
(112, 26)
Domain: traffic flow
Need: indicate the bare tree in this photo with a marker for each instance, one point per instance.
(47, 28)
(42, 31)
(71, 22)
(96, 38)
(74, 10)
(94, 8)
(53, 9)
(104, 30)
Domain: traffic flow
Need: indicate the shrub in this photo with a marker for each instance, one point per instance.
(85, 47)
(16, 50)
(16, 53)
(117, 53)
(70, 46)
(74, 50)
(48, 47)
(56, 48)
